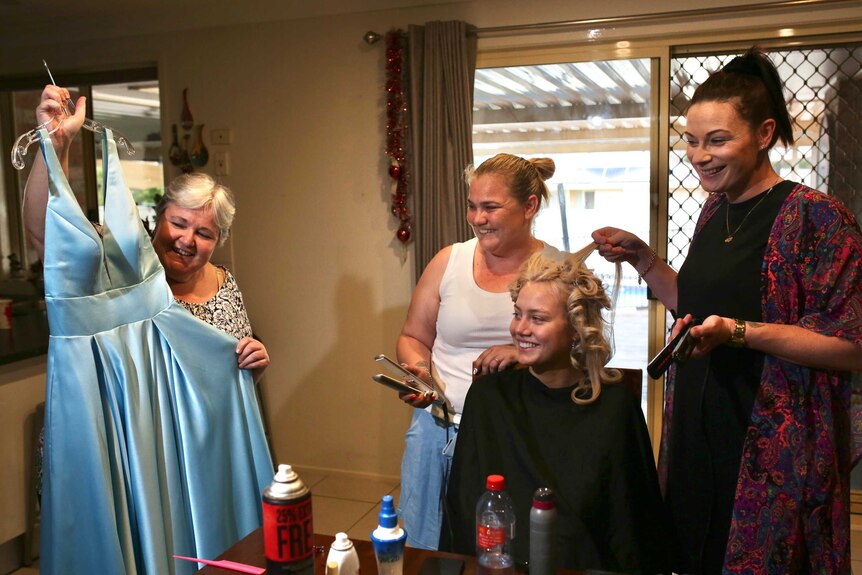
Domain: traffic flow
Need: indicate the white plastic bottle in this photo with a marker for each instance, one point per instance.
(495, 527)
(343, 553)
(543, 533)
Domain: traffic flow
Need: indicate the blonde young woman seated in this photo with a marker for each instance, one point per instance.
(561, 423)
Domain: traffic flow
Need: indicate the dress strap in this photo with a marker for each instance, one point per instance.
(65, 230)
(130, 254)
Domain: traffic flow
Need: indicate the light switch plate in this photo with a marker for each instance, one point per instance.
(222, 163)
(221, 137)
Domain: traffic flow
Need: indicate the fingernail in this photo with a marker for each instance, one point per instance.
(475, 370)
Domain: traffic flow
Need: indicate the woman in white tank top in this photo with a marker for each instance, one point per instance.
(457, 327)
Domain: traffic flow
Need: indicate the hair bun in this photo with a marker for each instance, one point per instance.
(545, 166)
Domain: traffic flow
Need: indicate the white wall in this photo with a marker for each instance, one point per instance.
(22, 386)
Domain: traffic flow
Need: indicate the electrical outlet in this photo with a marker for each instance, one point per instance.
(222, 163)
(221, 137)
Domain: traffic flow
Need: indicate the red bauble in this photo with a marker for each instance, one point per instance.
(394, 171)
(401, 212)
(404, 233)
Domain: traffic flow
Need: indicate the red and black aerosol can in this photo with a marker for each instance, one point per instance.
(288, 532)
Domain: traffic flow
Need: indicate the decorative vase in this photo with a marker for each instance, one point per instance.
(186, 164)
(175, 153)
(186, 119)
(199, 155)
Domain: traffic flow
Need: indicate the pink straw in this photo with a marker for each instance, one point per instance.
(224, 564)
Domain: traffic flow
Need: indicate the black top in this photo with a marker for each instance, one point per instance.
(713, 397)
(597, 458)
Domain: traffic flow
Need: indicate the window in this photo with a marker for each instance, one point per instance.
(133, 109)
(594, 120)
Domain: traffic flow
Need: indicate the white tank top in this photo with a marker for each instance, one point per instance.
(469, 321)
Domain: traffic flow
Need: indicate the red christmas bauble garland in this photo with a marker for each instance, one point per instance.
(396, 131)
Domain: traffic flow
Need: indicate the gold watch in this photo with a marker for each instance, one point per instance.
(737, 338)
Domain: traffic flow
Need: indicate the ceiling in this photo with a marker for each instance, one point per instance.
(30, 22)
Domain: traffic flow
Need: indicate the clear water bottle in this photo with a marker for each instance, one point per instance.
(495, 527)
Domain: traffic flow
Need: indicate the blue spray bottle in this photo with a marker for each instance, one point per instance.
(388, 540)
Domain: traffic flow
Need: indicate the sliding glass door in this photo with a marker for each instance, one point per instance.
(594, 119)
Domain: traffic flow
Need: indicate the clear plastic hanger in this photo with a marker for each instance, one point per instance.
(19, 150)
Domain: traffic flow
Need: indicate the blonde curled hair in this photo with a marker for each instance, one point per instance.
(524, 177)
(585, 301)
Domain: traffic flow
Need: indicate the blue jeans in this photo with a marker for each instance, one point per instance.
(424, 471)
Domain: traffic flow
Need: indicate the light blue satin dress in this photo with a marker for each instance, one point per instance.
(154, 443)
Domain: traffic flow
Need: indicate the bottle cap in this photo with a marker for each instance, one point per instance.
(285, 473)
(286, 481)
(342, 543)
(496, 483)
(332, 568)
(388, 518)
(543, 498)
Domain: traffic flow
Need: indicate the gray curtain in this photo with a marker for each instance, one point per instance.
(442, 62)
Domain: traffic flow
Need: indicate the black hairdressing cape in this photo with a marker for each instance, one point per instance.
(597, 458)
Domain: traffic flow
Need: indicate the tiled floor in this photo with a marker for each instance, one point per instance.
(349, 503)
(345, 502)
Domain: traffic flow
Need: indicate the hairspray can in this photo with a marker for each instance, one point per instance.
(288, 533)
(543, 533)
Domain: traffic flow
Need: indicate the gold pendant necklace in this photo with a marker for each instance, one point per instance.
(730, 234)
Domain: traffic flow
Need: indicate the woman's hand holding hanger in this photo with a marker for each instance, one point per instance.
(53, 112)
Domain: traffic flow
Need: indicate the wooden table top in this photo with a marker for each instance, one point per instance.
(250, 551)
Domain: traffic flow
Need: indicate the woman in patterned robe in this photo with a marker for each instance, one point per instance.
(760, 429)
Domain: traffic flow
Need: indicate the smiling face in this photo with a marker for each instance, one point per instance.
(727, 154)
(184, 240)
(498, 219)
(540, 328)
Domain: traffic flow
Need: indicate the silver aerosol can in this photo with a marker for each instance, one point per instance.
(288, 531)
(543, 533)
